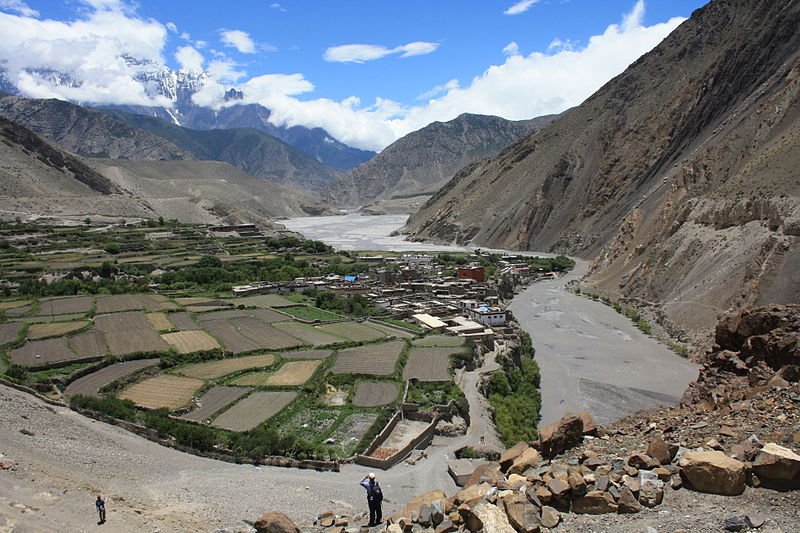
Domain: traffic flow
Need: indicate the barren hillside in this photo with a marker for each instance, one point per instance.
(679, 176)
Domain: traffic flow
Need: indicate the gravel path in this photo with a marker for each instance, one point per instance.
(594, 359)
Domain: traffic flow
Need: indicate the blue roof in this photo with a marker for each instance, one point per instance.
(351, 278)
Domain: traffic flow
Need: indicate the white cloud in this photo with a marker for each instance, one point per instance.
(18, 6)
(511, 49)
(239, 40)
(520, 7)
(439, 89)
(189, 59)
(171, 27)
(276, 5)
(226, 70)
(360, 53)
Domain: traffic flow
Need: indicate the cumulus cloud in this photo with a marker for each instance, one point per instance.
(360, 53)
(276, 5)
(18, 6)
(189, 59)
(520, 7)
(238, 39)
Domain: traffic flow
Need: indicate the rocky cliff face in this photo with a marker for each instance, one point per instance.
(423, 161)
(679, 176)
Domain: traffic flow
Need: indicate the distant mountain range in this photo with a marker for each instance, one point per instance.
(424, 160)
(679, 177)
(179, 88)
(119, 135)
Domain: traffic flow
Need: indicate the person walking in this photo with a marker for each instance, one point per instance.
(100, 503)
(374, 498)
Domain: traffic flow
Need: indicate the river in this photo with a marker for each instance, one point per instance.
(591, 358)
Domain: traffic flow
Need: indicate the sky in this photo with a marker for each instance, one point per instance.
(368, 72)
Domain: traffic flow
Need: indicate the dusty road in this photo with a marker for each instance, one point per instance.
(594, 359)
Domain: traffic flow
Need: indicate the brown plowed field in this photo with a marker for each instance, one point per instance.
(135, 341)
(54, 329)
(183, 321)
(291, 374)
(159, 321)
(88, 344)
(429, 364)
(91, 384)
(376, 359)
(265, 335)
(122, 321)
(264, 315)
(253, 410)
(374, 394)
(353, 331)
(66, 306)
(35, 353)
(213, 400)
(5, 306)
(231, 339)
(307, 354)
(191, 341)
(223, 367)
(9, 332)
(164, 390)
(114, 303)
(265, 300)
(308, 334)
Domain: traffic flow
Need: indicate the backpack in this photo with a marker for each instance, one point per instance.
(377, 493)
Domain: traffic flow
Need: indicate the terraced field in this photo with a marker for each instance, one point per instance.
(159, 321)
(266, 336)
(9, 332)
(429, 364)
(354, 331)
(230, 338)
(375, 393)
(54, 329)
(223, 367)
(191, 341)
(215, 399)
(439, 340)
(183, 321)
(264, 300)
(162, 391)
(41, 353)
(309, 334)
(377, 359)
(259, 407)
(307, 354)
(66, 306)
(89, 343)
(291, 374)
(91, 384)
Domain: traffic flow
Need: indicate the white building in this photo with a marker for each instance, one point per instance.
(488, 316)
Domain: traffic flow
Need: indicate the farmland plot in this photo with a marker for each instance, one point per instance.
(439, 340)
(227, 334)
(392, 332)
(353, 331)
(122, 322)
(352, 429)
(265, 300)
(191, 341)
(88, 344)
(163, 391)
(114, 303)
(212, 401)
(378, 359)
(5, 306)
(183, 321)
(91, 384)
(374, 394)
(429, 364)
(253, 410)
(310, 424)
(9, 332)
(265, 335)
(54, 329)
(223, 367)
(307, 354)
(291, 374)
(135, 341)
(305, 312)
(40, 353)
(66, 306)
(264, 315)
(308, 334)
(159, 321)
(19, 311)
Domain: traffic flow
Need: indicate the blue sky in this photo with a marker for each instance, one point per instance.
(424, 60)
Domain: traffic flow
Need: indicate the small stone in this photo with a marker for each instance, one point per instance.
(526, 459)
(550, 517)
(714, 444)
(627, 502)
(643, 461)
(754, 520)
(446, 527)
(735, 523)
(601, 482)
(394, 528)
(594, 502)
(558, 488)
(327, 521)
(659, 450)
(508, 457)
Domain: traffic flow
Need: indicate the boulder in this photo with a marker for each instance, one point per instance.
(486, 473)
(508, 457)
(589, 424)
(576, 482)
(522, 514)
(651, 493)
(489, 518)
(550, 517)
(777, 463)
(275, 522)
(446, 527)
(713, 472)
(394, 528)
(472, 493)
(658, 449)
(413, 506)
(524, 461)
(643, 461)
(562, 435)
(594, 502)
(558, 488)
(627, 502)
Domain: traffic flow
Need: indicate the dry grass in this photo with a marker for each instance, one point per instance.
(369, 359)
(191, 341)
(159, 321)
(223, 367)
(171, 392)
(11, 305)
(291, 374)
(54, 329)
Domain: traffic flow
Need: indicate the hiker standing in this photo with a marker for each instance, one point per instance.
(374, 498)
(100, 503)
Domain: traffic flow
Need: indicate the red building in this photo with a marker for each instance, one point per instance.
(472, 272)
